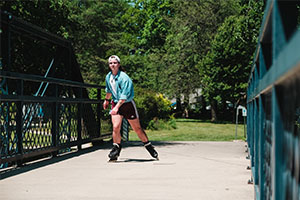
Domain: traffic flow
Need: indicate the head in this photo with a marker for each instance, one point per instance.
(114, 57)
(114, 64)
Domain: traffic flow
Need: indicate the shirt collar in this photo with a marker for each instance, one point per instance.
(117, 75)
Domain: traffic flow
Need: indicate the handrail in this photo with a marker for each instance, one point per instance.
(273, 104)
(64, 128)
(36, 78)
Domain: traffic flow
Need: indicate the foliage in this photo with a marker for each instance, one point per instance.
(144, 27)
(188, 39)
(34, 12)
(159, 124)
(99, 21)
(87, 24)
(171, 47)
(225, 69)
(29, 55)
(151, 106)
(145, 24)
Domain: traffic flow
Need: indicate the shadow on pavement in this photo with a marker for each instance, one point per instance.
(26, 167)
(155, 143)
(133, 160)
(12, 171)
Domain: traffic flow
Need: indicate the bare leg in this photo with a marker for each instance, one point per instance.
(117, 122)
(136, 126)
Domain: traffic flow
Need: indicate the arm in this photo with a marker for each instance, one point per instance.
(106, 101)
(115, 110)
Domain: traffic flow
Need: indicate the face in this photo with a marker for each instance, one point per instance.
(114, 66)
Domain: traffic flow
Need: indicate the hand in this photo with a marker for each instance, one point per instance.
(114, 111)
(105, 104)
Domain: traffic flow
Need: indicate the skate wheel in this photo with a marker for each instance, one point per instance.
(112, 160)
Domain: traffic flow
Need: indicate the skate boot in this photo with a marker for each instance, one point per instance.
(151, 150)
(115, 152)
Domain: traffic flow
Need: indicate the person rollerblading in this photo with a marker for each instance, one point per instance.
(120, 93)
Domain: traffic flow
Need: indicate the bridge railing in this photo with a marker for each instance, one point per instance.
(45, 107)
(273, 104)
(33, 125)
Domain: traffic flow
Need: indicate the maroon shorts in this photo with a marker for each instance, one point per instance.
(127, 110)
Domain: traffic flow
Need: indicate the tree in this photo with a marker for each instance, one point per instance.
(169, 46)
(192, 27)
(89, 25)
(98, 32)
(224, 70)
(32, 55)
(144, 28)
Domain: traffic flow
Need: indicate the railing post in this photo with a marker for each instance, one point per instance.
(251, 138)
(54, 120)
(19, 122)
(125, 130)
(256, 140)
(262, 64)
(79, 120)
(261, 172)
(249, 123)
(277, 149)
(99, 112)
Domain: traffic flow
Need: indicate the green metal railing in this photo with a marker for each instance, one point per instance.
(273, 122)
(45, 107)
(35, 125)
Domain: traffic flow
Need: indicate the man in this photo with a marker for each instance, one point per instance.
(119, 87)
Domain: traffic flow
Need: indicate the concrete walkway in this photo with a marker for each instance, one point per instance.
(186, 170)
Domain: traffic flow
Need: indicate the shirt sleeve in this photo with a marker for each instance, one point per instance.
(126, 90)
(107, 88)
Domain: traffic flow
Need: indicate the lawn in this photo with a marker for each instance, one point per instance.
(195, 130)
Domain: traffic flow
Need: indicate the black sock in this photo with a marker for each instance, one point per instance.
(146, 143)
(118, 144)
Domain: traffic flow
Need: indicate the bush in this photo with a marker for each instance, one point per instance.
(172, 123)
(151, 106)
(159, 124)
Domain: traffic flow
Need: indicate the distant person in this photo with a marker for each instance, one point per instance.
(119, 87)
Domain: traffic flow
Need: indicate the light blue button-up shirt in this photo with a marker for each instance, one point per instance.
(123, 86)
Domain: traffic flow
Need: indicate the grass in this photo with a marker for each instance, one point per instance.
(195, 130)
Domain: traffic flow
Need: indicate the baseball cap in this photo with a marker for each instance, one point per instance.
(115, 57)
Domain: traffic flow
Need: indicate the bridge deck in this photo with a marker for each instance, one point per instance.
(186, 170)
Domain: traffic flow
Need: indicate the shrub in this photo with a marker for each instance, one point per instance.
(159, 124)
(151, 106)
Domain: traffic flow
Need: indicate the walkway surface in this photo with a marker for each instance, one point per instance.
(186, 170)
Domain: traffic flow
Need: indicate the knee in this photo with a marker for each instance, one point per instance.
(116, 127)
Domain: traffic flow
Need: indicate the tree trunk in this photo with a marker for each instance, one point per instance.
(213, 111)
(203, 108)
(178, 105)
(185, 112)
